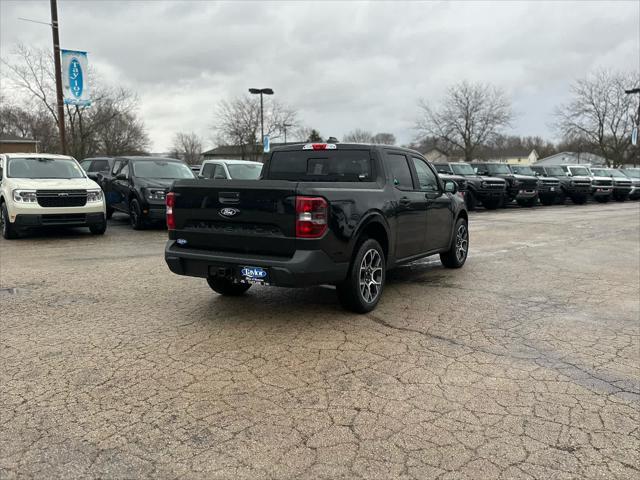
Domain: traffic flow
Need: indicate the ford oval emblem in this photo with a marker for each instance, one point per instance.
(229, 212)
(76, 80)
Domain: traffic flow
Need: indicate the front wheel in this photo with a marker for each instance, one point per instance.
(135, 215)
(492, 204)
(579, 199)
(110, 211)
(530, 202)
(98, 228)
(456, 256)
(470, 200)
(225, 286)
(546, 201)
(362, 289)
(8, 231)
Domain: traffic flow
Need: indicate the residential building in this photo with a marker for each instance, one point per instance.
(13, 144)
(563, 158)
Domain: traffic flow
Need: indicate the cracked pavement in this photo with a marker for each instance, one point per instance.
(524, 364)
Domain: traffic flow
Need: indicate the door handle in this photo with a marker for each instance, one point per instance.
(404, 201)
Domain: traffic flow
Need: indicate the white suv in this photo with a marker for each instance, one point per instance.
(45, 189)
(222, 169)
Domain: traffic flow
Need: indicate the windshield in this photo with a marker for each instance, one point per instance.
(494, 168)
(43, 168)
(462, 169)
(555, 172)
(579, 171)
(524, 171)
(244, 171)
(616, 173)
(632, 173)
(161, 169)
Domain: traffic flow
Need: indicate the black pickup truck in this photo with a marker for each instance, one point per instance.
(340, 214)
(489, 191)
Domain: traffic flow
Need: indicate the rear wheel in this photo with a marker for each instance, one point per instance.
(456, 256)
(225, 286)
(362, 289)
(135, 215)
(8, 231)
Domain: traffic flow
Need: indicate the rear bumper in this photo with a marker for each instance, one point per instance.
(305, 268)
(69, 220)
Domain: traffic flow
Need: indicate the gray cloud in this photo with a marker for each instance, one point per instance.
(342, 65)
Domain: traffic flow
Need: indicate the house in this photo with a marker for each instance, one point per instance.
(13, 144)
(435, 155)
(573, 158)
(517, 157)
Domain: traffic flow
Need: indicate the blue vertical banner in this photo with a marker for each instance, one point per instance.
(266, 145)
(75, 84)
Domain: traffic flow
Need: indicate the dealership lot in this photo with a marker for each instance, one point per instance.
(523, 364)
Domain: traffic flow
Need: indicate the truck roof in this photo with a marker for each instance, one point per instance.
(344, 146)
(37, 155)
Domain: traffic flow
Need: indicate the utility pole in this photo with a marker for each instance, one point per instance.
(284, 127)
(56, 58)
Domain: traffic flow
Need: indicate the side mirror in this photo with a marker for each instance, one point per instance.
(121, 176)
(450, 186)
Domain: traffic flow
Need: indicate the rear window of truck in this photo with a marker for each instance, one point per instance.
(322, 166)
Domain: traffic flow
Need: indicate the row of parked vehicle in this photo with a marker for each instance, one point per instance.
(495, 185)
(39, 188)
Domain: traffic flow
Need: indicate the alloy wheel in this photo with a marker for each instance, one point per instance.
(462, 242)
(371, 275)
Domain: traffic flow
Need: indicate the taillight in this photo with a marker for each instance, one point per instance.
(319, 146)
(311, 217)
(170, 202)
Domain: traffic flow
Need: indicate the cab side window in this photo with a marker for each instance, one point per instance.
(116, 166)
(125, 170)
(209, 170)
(426, 178)
(400, 172)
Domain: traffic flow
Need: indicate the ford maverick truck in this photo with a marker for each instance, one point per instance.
(320, 213)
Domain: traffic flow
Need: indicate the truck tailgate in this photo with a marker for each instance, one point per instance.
(256, 216)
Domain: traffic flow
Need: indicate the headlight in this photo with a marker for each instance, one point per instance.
(155, 194)
(94, 196)
(25, 196)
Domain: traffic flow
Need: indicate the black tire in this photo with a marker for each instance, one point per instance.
(110, 211)
(470, 200)
(457, 254)
(135, 215)
(579, 199)
(8, 230)
(546, 201)
(561, 198)
(225, 286)
(362, 289)
(620, 198)
(601, 199)
(98, 228)
(492, 204)
(527, 203)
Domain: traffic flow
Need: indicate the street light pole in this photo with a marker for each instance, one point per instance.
(261, 91)
(56, 58)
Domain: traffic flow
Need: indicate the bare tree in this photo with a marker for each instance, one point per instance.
(358, 136)
(188, 147)
(237, 122)
(470, 115)
(110, 126)
(384, 138)
(601, 115)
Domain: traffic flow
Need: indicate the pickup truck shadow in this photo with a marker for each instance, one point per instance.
(269, 301)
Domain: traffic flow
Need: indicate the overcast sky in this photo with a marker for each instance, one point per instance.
(341, 65)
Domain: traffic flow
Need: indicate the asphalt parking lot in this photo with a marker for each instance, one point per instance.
(523, 364)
